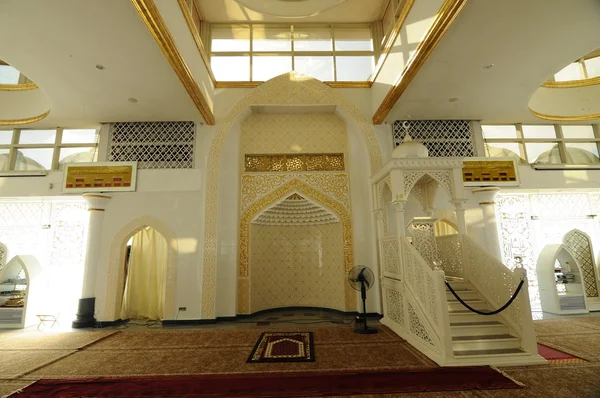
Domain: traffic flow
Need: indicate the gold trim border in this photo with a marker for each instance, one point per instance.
(15, 122)
(387, 47)
(18, 87)
(190, 23)
(445, 16)
(573, 83)
(559, 118)
(156, 25)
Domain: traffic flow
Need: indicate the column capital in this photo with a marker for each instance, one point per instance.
(459, 204)
(399, 204)
(96, 201)
(486, 195)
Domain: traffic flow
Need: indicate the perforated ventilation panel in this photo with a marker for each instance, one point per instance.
(154, 145)
(443, 138)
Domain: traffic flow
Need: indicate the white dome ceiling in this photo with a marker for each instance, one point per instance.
(295, 210)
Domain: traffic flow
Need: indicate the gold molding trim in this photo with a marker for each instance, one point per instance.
(156, 25)
(445, 16)
(242, 84)
(573, 83)
(559, 118)
(190, 23)
(18, 87)
(387, 47)
(16, 122)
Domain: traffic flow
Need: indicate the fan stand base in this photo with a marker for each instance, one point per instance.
(365, 330)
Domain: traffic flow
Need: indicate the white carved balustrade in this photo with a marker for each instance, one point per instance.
(497, 283)
(426, 289)
(450, 252)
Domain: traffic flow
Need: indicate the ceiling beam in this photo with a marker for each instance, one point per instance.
(156, 25)
(445, 16)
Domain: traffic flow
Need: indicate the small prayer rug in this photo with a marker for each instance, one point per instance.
(555, 357)
(283, 347)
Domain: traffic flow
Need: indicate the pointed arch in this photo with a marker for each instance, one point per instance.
(580, 246)
(116, 272)
(288, 89)
(276, 195)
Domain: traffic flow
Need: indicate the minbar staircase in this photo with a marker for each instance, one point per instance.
(477, 338)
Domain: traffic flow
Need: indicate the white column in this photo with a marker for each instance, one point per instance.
(461, 221)
(400, 222)
(85, 313)
(487, 199)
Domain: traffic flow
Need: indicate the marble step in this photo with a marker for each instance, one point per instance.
(485, 342)
(463, 294)
(483, 328)
(456, 305)
(465, 315)
(489, 353)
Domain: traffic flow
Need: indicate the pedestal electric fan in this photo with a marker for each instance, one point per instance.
(361, 278)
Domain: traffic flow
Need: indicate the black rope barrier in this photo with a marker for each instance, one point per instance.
(505, 306)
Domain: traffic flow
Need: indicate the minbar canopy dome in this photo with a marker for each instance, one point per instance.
(410, 149)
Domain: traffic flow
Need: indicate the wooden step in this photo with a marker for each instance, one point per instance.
(485, 328)
(485, 342)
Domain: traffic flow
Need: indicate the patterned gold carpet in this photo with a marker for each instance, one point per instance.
(26, 357)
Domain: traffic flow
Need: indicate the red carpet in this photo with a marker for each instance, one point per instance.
(277, 384)
(557, 357)
(284, 347)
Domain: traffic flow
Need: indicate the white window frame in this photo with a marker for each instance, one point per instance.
(560, 140)
(57, 145)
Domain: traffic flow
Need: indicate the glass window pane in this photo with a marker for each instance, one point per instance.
(230, 38)
(34, 159)
(318, 67)
(508, 131)
(354, 68)
(316, 39)
(543, 152)
(83, 136)
(582, 153)
(231, 68)
(8, 75)
(592, 66)
(37, 136)
(503, 149)
(546, 131)
(271, 39)
(570, 72)
(578, 131)
(76, 155)
(353, 39)
(266, 67)
(5, 137)
(4, 154)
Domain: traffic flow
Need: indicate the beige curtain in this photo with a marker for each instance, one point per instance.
(144, 295)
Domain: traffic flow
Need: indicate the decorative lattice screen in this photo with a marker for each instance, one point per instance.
(154, 145)
(443, 138)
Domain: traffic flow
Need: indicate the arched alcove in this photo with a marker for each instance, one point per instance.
(288, 89)
(116, 270)
(296, 257)
(268, 201)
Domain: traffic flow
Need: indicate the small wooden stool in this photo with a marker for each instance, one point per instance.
(44, 318)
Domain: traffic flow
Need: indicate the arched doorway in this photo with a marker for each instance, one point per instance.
(145, 276)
